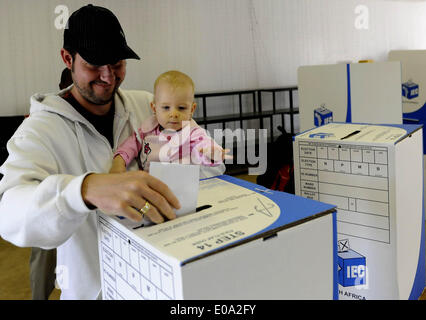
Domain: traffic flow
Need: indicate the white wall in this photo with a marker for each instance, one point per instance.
(222, 44)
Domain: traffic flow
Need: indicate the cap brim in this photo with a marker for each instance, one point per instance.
(107, 56)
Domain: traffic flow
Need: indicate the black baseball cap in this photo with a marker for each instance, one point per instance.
(96, 34)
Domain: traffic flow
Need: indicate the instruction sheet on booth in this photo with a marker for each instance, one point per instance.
(355, 178)
(351, 170)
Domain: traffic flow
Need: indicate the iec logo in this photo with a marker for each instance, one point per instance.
(321, 135)
(351, 266)
(410, 90)
(322, 116)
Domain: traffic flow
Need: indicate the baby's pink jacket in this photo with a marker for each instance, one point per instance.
(167, 145)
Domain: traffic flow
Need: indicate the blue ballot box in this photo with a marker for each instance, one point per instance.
(322, 116)
(410, 90)
(244, 242)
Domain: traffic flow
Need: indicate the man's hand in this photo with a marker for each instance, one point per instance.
(125, 193)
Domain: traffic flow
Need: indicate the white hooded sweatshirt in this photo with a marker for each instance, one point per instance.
(41, 204)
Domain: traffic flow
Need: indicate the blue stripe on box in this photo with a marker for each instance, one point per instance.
(349, 107)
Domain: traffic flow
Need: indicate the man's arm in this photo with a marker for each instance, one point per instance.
(41, 208)
(38, 206)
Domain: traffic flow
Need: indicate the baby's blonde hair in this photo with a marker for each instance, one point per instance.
(176, 79)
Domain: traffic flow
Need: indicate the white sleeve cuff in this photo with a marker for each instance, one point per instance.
(70, 203)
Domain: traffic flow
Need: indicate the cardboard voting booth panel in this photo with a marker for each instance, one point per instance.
(245, 242)
(359, 92)
(373, 174)
(413, 85)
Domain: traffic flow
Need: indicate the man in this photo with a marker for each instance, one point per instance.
(53, 179)
(43, 262)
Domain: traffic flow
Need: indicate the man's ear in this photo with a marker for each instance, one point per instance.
(152, 107)
(66, 58)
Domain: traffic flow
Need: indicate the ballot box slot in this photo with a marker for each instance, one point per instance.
(201, 208)
(351, 134)
(270, 236)
(149, 224)
(137, 227)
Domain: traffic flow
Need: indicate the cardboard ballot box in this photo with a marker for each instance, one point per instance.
(374, 175)
(247, 243)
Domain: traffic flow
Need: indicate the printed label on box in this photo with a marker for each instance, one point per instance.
(322, 116)
(352, 268)
(410, 90)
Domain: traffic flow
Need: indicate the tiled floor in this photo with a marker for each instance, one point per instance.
(14, 270)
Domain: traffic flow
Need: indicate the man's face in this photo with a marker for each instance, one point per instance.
(97, 84)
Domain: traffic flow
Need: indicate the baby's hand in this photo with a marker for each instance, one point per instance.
(216, 154)
(117, 170)
(118, 165)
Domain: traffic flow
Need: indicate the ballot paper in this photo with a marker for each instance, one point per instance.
(183, 181)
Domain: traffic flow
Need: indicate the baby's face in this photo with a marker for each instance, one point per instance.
(173, 105)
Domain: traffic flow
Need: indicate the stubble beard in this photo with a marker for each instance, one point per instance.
(88, 93)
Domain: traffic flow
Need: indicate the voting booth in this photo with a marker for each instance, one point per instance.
(413, 84)
(245, 242)
(355, 92)
(374, 175)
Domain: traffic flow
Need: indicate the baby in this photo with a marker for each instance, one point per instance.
(170, 134)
